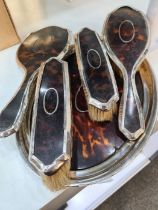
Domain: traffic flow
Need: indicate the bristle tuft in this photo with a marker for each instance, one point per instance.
(99, 115)
(58, 180)
(102, 115)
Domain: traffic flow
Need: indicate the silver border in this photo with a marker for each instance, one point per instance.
(127, 41)
(76, 106)
(104, 171)
(41, 167)
(44, 101)
(95, 67)
(89, 98)
(129, 135)
(18, 120)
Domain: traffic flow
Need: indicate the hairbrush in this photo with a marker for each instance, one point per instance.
(35, 49)
(97, 75)
(126, 36)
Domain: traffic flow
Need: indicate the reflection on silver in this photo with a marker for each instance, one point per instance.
(120, 36)
(88, 54)
(57, 101)
(127, 152)
(76, 105)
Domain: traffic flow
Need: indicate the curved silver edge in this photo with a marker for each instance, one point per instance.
(90, 99)
(67, 144)
(81, 178)
(129, 135)
(16, 125)
(18, 120)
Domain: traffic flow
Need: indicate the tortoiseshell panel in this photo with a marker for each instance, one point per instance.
(49, 129)
(36, 48)
(127, 35)
(93, 142)
(129, 52)
(41, 45)
(95, 67)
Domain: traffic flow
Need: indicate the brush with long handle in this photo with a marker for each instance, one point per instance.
(126, 35)
(50, 146)
(97, 75)
(36, 48)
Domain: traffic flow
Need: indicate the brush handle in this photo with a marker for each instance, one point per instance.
(131, 118)
(95, 70)
(126, 35)
(37, 48)
(12, 115)
(50, 138)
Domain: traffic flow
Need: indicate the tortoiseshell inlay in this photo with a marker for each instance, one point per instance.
(49, 128)
(93, 142)
(37, 48)
(95, 67)
(127, 35)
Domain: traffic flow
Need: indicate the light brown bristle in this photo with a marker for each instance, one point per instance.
(101, 115)
(59, 179)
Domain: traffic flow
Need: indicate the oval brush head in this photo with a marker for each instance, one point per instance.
(33, 51)
(97, 75)
(126, 35)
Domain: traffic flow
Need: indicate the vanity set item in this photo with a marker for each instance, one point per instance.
(86, 107)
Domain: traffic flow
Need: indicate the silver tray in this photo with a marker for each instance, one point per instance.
(130, 149)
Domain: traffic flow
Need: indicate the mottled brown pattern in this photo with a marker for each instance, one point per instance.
(41, 45)
(37, 48)
(49, 133)
(93, 142)
(128, 54)
(98, 80)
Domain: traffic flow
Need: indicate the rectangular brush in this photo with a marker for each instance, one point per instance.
(97, 75)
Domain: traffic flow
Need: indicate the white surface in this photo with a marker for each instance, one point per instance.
(153, 19)
(20, 187)
(93, 195)
(31, 15)
(152, 145)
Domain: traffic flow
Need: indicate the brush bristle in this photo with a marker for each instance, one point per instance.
(101, 115)
(58, 180)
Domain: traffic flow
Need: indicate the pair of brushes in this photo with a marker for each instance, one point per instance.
(36, 48)
(126, 35)
(97, 75)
